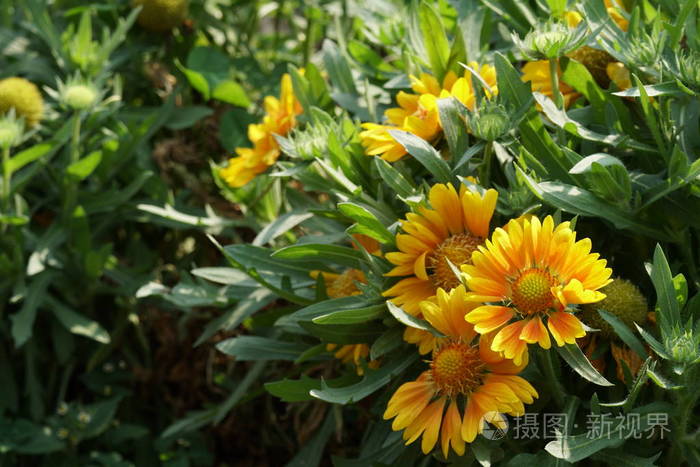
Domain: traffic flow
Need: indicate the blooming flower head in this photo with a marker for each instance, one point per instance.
(280, 118)
(619, 74)
(432, 238)
(530, 272)
(417, 112)
(537, 73)
(466, 385)
(23, 96)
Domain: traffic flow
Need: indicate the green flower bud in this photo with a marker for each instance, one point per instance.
(161, 15)
(24, 97)
(689, 68)
(79, 96)
(11, 131)
(624, 300)
(551, 40)
(492, 122)
(684, 348)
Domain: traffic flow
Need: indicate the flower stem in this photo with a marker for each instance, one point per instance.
(6, 176)
(547, 362)
(485, 169)
(554, 77)
(71, 185)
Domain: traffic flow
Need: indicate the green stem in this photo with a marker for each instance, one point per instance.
(485, 169)
(6, 176)
(554, 77)
(551, 376)
(71, 185)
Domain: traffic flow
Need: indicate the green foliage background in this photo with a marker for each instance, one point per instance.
(118, 321)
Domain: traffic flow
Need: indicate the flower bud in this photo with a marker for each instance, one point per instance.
(11, 131)
(161, 15)
(623, 300)
(79, 96)
(492, 122)
(551, 40)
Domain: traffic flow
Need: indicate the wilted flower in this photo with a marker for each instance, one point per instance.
(23, 96)
(161, 15)
(551, 40)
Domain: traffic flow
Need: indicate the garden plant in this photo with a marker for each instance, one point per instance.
(350, 233)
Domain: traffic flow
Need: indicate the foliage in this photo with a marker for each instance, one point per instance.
(130, 248)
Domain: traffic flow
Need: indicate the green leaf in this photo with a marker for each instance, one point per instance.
(257, 300)
(77, 323)
(186, 117)
(355, 303)
(23, 320)
(394, 179)
(572, 354)
(334, 254)
(246, 348)
(621, 457)
(585, 164)
(371, 381)
(360, 315)
(29, 155)
(625, 333)
(655, 345)
(293, 390)
(578, 447)
(247, 257)
(367, 223)
(84, 167)
(387, 342)
(579, 201)
(669, 312)
(435, 40)
(231, 92)
(281, 225)
(362, 333)
(451, 113)
(311, 453)
(411, 321)
(424, 153)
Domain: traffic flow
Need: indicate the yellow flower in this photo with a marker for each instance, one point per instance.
(280, 118)
(353, 354)
(614, 7)
(620, 75)
(418, 113)
(341, 285)
(24, 97)
(433, 238)
(537, 73)
(161, 15)
(529, 272)
(467, 383)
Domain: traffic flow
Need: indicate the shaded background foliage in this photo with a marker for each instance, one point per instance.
(113, 310)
